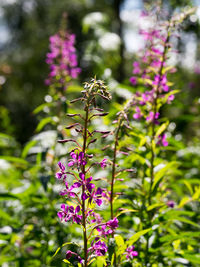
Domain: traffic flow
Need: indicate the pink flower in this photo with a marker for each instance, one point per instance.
(130, 252)
(138, 114)
(136, 69)
(77, 159)
(60, 174)
(103, 163)
(151, 116)
(113, 224)
(170, 99)
(162, 140)
(62, 59)
(133, 80)
(99, 248)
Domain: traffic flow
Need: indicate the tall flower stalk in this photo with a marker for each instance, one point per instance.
(83, 192)
(120, 122)
(152, 72)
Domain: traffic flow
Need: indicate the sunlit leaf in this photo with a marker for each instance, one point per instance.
(136, 236)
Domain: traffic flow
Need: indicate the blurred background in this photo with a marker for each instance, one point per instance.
(106, 38)
(107, 43)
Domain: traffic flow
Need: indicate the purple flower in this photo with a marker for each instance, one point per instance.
(151, 116)
(99, 248)
(68, 191)
(130, 252)
(138, 114)
(156, 51)
(133, 80)
(162, 140)
(96, 196)
(136, 67)
(170, 99)
(171, 203)
(77, 159)
(62, 58)
(69, 213)
(69, 254)
(103, 163)
(60, 174)
(149, 35)
(113, 224)
(161, 81)
(103, 231)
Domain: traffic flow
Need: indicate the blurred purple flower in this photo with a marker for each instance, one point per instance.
(130, 252)
(103, 163)
(62, 59)
(171, 204)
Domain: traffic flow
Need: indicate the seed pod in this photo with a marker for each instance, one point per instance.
(92, 141)
(77, 99)
(72, 125)
(66, 140)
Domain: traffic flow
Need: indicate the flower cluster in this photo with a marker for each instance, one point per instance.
(107, 228)
(99, 248)
(62, 59)
(152, 71)
(92, 194)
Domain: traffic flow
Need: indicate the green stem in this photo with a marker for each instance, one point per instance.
(83, 187)
(113, 170)
(113, 180)
(150, 215)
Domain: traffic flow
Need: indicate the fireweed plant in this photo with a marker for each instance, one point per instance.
(64, 70)
(84, 194)
(151, 72)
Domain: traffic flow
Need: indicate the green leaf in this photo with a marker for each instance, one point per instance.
(192, 258)
(176, 244)
(136, 236)
(159, 175)
(5, 216)
(7, 140)
(119, 240)
(134, 157)
(126, 211)
(197, 193)
(182, 236)
(101, 262)
(188, 186)
(184, 201)
(185, 220)
(153, 206)
(41, 107)
(15, 160)
(7, 196)
(66, 261)
(162, 128)
(28, 147)
(44, 122)
(74, 88)
(142, 141)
